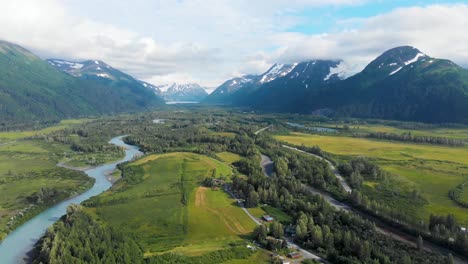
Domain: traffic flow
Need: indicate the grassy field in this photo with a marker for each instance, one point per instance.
(454, 133)
(22, 134)
(228, 157)
(223, 134)
(26, 166)
(276, 213)
(432, 170)
(168, 210)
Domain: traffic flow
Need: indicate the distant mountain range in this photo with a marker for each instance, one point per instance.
(190, 92)
(100, 71)
(403, 84)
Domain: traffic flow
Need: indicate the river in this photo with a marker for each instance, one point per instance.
(18, 243)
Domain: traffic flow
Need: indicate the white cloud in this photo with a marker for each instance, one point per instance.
(438, 30)
(208, 41)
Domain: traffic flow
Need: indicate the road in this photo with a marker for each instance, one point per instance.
(380, 226)
(305, 254)
(338, 176)
(241, 205)
(261, 130)
(267, 165)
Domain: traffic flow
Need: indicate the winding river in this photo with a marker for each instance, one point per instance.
(18, 243)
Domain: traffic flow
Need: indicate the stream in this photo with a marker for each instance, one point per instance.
(18, 243)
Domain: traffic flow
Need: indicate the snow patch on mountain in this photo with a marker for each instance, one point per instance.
(73, 65)
(103, 75)
(416, 58)
(395, 71)
(341, 70)
(276, 71)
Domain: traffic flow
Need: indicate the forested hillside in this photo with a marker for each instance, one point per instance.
(31, 89)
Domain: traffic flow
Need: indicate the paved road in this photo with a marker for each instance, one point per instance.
(381, 227)
(267, 165)
(305, 254)
(261, 130)
(340, 178)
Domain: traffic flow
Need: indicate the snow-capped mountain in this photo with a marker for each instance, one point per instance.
(393, 60)
(279, 80)
(87, 68)
(101, 72)
(180, 92)
(277, 71)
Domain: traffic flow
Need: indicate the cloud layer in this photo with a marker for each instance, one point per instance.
(211, 40)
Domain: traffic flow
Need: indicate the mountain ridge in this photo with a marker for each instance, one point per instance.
(402, 83)
(33, 90)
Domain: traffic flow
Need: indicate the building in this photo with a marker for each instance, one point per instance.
(294, 255)
(267, 218)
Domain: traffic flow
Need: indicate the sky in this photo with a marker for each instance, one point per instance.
(210, 41)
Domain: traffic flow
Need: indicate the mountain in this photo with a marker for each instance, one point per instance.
(234, 91)
(402, 84)
(31, 89)
(281, 92)
(100, 72)
(226, 92)
(280, 85)
(182, 92)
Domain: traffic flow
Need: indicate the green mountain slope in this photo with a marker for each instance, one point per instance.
(408, 86)
(31, 89)
(403, 84)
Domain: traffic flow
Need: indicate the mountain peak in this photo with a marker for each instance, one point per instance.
(277, 71)
(393, 60)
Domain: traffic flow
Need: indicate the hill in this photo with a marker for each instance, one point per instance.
(32, 90)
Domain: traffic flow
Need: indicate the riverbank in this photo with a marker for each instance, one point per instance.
(15, 246)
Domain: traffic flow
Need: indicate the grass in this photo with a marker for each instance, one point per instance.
(223, 134)
(228, 157)
(454, 133)
(432, 170)
(25, 167)
(154, 211)
(276, 213)
(22, 134)
(261, 256)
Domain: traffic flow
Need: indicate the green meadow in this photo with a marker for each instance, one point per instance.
(454, 133)
(29, 133)
(167, 209)
(431, 170)
(228, 157)
(26, 166)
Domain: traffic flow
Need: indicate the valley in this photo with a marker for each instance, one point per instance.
(172, 201)
(314, 160)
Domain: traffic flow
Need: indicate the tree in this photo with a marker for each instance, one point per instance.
(253, 199)
(450, 259)
(276, 230)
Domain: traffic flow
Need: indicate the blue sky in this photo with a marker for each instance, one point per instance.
(209, 41)
(327, 19)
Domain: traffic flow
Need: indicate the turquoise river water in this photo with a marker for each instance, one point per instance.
(18, 243)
